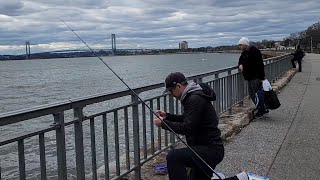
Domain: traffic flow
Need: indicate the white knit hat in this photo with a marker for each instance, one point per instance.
(244, 41)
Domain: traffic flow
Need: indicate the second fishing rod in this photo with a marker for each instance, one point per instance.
(141, 100)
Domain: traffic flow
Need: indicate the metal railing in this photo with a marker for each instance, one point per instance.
(119, 140)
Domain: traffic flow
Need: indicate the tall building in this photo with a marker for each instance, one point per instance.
(183, 45)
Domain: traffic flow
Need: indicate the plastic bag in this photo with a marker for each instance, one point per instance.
(256, 177)
(266, 85)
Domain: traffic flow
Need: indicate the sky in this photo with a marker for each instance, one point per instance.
(148, 24)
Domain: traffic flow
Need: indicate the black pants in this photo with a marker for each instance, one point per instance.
(294, 64)
(256, 94)
(179, 159)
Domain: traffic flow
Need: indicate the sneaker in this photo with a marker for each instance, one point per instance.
(243, 176)
(260, 114)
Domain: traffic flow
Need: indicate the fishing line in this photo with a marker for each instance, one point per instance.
(145, 104)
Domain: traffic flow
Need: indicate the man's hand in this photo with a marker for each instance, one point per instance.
(162, 114)
(241, 67)
(158, 122)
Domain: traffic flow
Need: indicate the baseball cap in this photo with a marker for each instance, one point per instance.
(172, 80)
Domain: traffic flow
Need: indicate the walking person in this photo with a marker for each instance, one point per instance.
(199, 124)
(297, 56)
(252, 67)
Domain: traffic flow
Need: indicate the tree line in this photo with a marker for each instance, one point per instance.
(309, 39)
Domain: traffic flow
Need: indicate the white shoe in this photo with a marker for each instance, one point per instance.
(243, 176)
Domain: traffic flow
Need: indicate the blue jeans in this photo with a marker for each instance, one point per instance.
(256, 93)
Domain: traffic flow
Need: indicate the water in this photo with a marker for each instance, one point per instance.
(37, 82)
(25, 84)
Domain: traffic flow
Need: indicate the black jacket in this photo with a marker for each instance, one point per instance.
(252, 62)
(298, 54)
(199, 121)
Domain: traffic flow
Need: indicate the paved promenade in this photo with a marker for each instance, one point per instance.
(285, 144)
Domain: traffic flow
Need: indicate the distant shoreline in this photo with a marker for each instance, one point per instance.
(89, 54)
(266, 54)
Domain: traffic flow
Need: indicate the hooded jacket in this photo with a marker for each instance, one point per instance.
(199, 121)
(252, 62)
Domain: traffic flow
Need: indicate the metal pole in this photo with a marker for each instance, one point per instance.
(61, 145)
(136, 138)
(78, 132)
(171, 110)
(229, 86)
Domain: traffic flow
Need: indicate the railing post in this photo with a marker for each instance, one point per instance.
(22, 163)
(217, 91)
(229, 79)
(171, 111)
(279, 68)
(136, 138)
(78, 132)
(42, 151)
(270, 71)
(241, 89)
(61, 145)
(273, 71)
(93, 150)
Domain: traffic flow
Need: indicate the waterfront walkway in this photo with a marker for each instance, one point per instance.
(285, 144)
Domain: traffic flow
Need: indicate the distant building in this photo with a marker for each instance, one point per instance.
(278, 46)
(183, 45)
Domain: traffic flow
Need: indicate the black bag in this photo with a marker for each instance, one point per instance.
(271, 100)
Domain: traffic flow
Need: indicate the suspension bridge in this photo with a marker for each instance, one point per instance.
(24, 50)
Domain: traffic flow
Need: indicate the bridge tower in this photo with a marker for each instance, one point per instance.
(28, 50)
(113, 43)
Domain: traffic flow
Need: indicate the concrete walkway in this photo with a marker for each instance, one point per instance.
(285, 144)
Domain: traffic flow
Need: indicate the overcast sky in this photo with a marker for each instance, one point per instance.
(148, 23)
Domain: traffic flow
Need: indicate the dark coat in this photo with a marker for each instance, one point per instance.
(298, 54)
(199, 121)
(252, 62)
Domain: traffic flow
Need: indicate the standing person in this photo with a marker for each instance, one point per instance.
(297, 56)
(199, 123)
(252, 67)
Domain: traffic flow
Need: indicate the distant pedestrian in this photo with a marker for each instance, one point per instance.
(252, 67)
(297, 56)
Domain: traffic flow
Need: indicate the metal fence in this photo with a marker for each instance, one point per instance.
(127, 137)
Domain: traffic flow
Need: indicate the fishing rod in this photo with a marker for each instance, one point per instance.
(142, 101)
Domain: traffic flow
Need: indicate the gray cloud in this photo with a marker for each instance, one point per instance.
(149, 23)
(11, 8)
